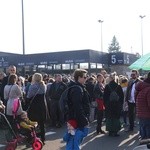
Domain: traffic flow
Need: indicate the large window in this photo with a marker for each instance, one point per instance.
(65, 66)
(93, 65)
(58, 67)
(84, 65)
(99, 66)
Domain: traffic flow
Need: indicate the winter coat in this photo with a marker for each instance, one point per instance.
(90, 88)
(56, 90)
(80, 105)
(98, 95)
(36, 95)
(74, 141)
(143, 100)
(27, 124)
(12, 92)
(113, 112)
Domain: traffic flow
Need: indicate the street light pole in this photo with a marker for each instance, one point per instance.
(142, 32)
(23, 39)
(101, 21)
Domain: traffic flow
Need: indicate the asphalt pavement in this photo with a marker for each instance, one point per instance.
(126, 140)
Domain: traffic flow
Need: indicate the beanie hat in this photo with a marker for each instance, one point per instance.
(73, 123)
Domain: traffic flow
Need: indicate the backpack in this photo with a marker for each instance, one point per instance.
(64, 101)
(113, 95)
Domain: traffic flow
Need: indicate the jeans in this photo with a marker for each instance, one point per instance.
(144, 128)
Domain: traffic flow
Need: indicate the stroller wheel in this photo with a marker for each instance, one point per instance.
(37, 145)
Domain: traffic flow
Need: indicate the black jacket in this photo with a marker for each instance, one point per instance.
(80, 105)
(56, 90)
(113, 109)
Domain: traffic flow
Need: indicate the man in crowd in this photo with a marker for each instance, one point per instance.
(11, 70)
(79, 100)
(130, 98)
(54, 93)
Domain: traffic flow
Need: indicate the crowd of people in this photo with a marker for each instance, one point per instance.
(91, 99)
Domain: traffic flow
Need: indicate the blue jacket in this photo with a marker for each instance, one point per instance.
(74, 141)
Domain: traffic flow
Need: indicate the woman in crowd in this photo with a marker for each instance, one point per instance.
(37, 109)
(113, 107)
(12, 92)
(98, 94)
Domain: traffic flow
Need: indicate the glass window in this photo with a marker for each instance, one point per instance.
(93, 65)
(65, 66)
(99, 66)
(58, 66)
(84, 65)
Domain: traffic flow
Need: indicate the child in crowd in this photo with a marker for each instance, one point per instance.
(74, 136)
(26, 126)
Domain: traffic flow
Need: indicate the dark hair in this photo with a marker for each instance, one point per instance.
(79, 73)
(11, 79)
(30, 79)
(136, 71)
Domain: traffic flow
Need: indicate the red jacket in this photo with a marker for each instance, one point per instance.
(143, 99)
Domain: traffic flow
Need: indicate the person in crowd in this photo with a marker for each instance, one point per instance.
(90, 83)
(55, 91)
(11, 70)
(37, 108)
(2, 75)
(143, 107)
(124, 84)
(74, 136)
(26, 125)
(130, 98)
(26, 79)
(28, 84)
(79, 99)
(46, 78)
(98, 95)
(113, 108)
(12, 92)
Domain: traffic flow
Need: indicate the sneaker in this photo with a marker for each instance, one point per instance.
(102, 132)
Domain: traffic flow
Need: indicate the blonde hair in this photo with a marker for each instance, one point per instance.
(37, 77)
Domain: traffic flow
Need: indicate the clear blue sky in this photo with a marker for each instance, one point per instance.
(59, 25)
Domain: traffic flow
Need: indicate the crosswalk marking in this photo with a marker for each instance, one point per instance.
(49, 133)
(2, 145)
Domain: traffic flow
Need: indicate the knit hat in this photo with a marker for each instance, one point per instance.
(73, 123)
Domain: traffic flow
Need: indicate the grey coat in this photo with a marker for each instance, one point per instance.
(12, 92)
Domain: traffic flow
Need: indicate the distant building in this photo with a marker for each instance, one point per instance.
(67, 61)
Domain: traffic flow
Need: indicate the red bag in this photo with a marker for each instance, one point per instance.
(100, 104)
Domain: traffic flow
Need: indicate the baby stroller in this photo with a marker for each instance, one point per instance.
(11, 143)
(17, 138)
